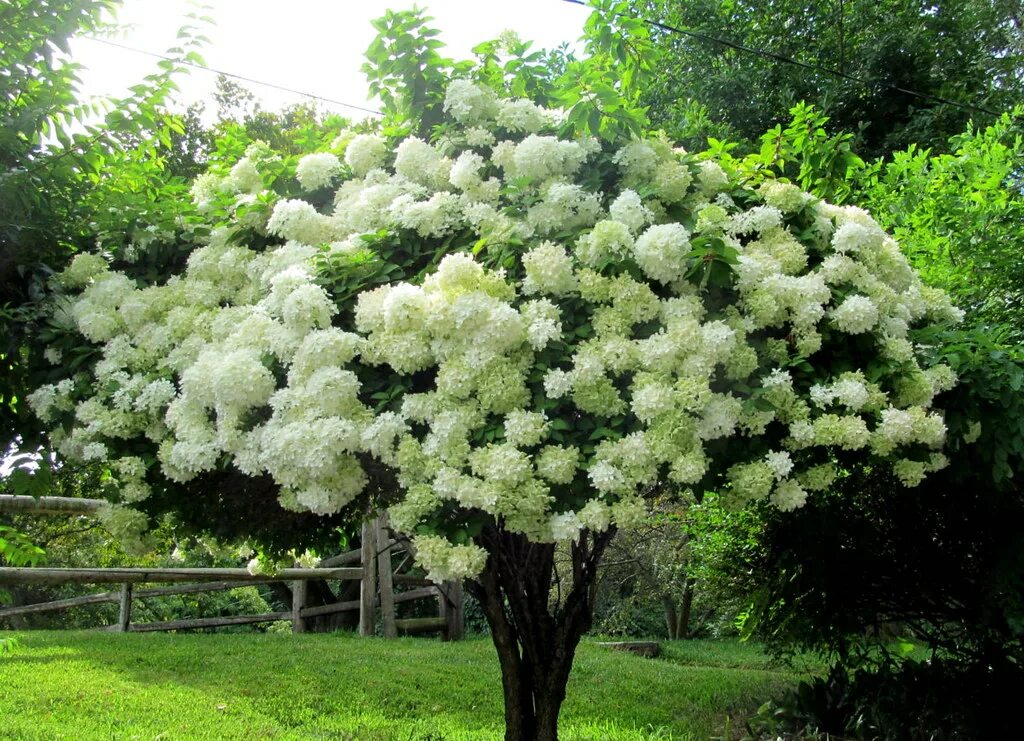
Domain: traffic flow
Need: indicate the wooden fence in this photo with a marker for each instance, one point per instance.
(372, 565)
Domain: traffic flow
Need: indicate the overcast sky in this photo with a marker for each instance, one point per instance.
(314, 46)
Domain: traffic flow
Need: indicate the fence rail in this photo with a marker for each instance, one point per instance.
(212, 580)
(102, 597)
(44, 575)
(19, 504)
(194, 623)
(375, 573)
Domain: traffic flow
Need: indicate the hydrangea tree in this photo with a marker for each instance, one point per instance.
(531, 330)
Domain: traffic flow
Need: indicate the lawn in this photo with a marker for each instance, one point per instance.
(85, 685)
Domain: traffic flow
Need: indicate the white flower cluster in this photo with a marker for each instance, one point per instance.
(366, 152)
(317, 170)
(240, 187)
(568, 373)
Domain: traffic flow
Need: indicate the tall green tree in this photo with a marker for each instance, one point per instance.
(959, 216)
(962, 50)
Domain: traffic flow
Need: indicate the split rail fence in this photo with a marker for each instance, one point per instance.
(383, 585)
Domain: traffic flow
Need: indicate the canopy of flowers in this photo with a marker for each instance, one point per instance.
(574, 324)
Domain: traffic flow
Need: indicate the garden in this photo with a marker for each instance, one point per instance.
(672, 380)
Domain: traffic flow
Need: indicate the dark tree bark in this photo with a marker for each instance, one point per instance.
(685, 611)
(535, 631)
(677, 617)
(671, 617)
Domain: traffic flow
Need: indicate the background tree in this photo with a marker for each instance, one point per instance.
(958, 50)
(645, 575)
(959, 216)
(664, 577)
(57, 152)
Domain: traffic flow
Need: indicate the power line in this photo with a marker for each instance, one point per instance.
(203, 67)
(796, 63)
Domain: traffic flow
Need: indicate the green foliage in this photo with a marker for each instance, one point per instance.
(60, 156)
(510, 64)
(987, 408)
(600, 92)
(406, 71)
(948, 702)
(959, 216)
(664, 577)
(342, 686)
(17, 549)
(804, 153)
(643, 584)
(293, 130)
(706, 550)
(715, 530)
(958, 50)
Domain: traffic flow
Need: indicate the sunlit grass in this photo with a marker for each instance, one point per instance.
(79, 685)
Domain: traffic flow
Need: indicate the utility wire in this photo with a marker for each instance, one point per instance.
(655, 24)
(203, 67)
(796, 63)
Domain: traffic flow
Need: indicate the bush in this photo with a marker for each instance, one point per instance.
(927, 700)
(941, 563)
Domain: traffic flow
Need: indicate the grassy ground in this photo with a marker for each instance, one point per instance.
(78, 685)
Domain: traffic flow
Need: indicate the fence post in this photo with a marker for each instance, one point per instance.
(368, 586)
(455, 616)
(124, 616)
(449, 603)
(387, 589)
(298, 602)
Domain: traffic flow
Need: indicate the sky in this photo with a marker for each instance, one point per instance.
(314, 46)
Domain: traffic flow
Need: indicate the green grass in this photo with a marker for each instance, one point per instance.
(734, 654)
(79, 685)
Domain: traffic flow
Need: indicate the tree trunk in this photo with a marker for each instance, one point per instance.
(671, 617)
(536, 637)
(685, 610)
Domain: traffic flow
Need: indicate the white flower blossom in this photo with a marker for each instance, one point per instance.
(317, 170)
(661, 251)
(856, 315)
(365, 152)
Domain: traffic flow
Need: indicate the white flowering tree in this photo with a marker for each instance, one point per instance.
(532, 331)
